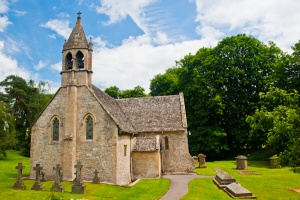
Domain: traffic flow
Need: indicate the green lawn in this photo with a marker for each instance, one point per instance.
(144, 189)
(269, 184)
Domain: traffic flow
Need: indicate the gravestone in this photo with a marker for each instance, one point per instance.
(222, 179)
(57, 187)
(201, 159)
(241, 162)
(78, 186)
(195, 158)
(19, 184)
(235, 190)
(37, 185)
(96, 178)
(43, 179)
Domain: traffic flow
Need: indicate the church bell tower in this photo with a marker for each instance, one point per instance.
(77, 58)
(76, 74)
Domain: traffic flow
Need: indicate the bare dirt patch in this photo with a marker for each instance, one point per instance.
(294, 189)
(246, 172)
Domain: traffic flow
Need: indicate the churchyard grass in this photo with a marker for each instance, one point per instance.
(144, 189)
(269, 184)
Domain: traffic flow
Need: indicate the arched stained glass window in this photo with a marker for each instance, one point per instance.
(55, 130)
(166, 143)
(89, 128)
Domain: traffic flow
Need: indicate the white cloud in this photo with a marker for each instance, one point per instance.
(4, 22)
(10, 66)
(56, 66)
(41, 64)
(137, 61)
(19, 13)
(267, 20)
(60, 26)
(3, 6)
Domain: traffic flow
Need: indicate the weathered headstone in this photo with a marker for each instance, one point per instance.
(241, 162)
(201, 159)
(57, 187)
(37, 185)
(96, 178)
(19, 184)
(43, 179)
(195, 158)
(78, 186)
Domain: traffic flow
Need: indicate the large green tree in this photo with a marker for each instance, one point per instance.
(7, 129)
(165, 84)
(278, 123)
(116, 93)
(26, 101)
(221, 87)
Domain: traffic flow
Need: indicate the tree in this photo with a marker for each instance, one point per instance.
(287, 74)
(26, 101)
(116, 93)
(7, 129)
(279, 121)
(113, 91)
(165, 84)
(137, 91)
(221, 87)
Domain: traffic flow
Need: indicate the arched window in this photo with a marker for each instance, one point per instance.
(80, 59)
(55, 130)
(166, 143)
(89, 128)
(69, 61)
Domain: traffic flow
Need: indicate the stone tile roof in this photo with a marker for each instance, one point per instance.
(155, 114)
(114, 110)
(77, 38)
(147, 114)
(145, 144)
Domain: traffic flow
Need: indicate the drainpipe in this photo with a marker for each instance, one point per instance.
(162, 153)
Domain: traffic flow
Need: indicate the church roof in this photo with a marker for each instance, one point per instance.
(77, 38)
(114, 110)
(155, 114)
(148, 114)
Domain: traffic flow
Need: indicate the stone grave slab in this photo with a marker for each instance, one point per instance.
(222, 179)
(96, 179)
(235, 190)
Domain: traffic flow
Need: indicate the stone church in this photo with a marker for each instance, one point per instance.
(123, 139)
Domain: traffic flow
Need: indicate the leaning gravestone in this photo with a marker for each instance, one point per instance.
(96, 178)
(37, 185)
(78, 186)
(19, 184)
(57, 187)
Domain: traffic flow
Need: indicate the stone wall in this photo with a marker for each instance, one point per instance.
(123, 160)
(177, 158)
(99, 153)
(146, 164)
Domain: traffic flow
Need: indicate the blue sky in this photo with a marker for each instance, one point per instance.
(134, 39)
